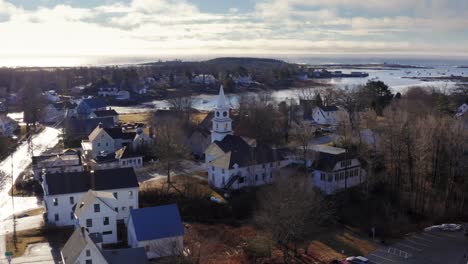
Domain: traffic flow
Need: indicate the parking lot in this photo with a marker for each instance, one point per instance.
(434, 247)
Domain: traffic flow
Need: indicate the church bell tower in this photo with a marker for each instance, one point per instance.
(222, 123)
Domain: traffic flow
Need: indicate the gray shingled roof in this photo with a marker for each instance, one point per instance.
(74, 246)
(76, 182)
(89, 198)
(326, 161)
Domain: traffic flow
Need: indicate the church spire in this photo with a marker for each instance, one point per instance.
(221, 104)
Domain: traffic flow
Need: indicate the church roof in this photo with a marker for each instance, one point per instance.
(242, 152)
(221, 104)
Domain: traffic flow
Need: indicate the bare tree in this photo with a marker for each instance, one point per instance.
(303, 133)
(291, 211)
(170, 145)
(182, 104)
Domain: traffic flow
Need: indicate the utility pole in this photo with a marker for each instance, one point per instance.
(13, 199)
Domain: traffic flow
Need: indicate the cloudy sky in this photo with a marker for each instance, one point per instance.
(152, 27)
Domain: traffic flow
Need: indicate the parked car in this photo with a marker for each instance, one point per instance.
(328, 129)
(444, 227)
(357, 260)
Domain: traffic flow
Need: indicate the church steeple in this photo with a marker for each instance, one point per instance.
(221, 99)
(222, 123)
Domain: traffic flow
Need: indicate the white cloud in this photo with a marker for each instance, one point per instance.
(146, 27)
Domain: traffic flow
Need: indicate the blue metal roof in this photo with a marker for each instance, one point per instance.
(157, 222)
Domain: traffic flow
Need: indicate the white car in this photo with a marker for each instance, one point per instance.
(357, 260)
(444, 227)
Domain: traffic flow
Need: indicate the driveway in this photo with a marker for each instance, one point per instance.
(434, 247)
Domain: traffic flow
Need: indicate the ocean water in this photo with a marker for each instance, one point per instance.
(395, 79)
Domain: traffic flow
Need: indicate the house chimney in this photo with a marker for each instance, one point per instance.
(93, 179)
(100, 125)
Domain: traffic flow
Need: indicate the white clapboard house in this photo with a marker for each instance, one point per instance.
(62, 192)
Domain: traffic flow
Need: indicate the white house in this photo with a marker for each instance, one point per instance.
(106, 113)
(7, 125)
(123, 96)
(82, 248)
(204, 79)
(94, 212)
(108, 92)
(327, 115)
(122, 158)
(335, 172)
(103, 141)
(235, 162)
(85, 248)
(462, 110)
(242, 79)
(67, 161)
(63, 190)
(159, 230)
(51, 96)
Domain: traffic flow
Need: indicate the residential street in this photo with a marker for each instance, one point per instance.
(43, 141)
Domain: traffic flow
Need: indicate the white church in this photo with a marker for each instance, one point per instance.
(234, 162)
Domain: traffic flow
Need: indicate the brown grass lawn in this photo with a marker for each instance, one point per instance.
(135, 118)
(37, 235)
(24, 238)
(338, 244)
(218, 243)
(181, 183)
(197, 118)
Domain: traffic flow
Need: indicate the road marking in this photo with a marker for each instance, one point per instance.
(425, 239)
(414, 248)
(418, 243)
(382, 257)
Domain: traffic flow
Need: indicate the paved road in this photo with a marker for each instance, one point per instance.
(43, 141)
(434, 247)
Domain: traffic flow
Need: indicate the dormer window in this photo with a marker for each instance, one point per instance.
(217, 114)
(224, 113)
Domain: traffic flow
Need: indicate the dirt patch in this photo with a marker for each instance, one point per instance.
(218, 243)
(338, 244)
